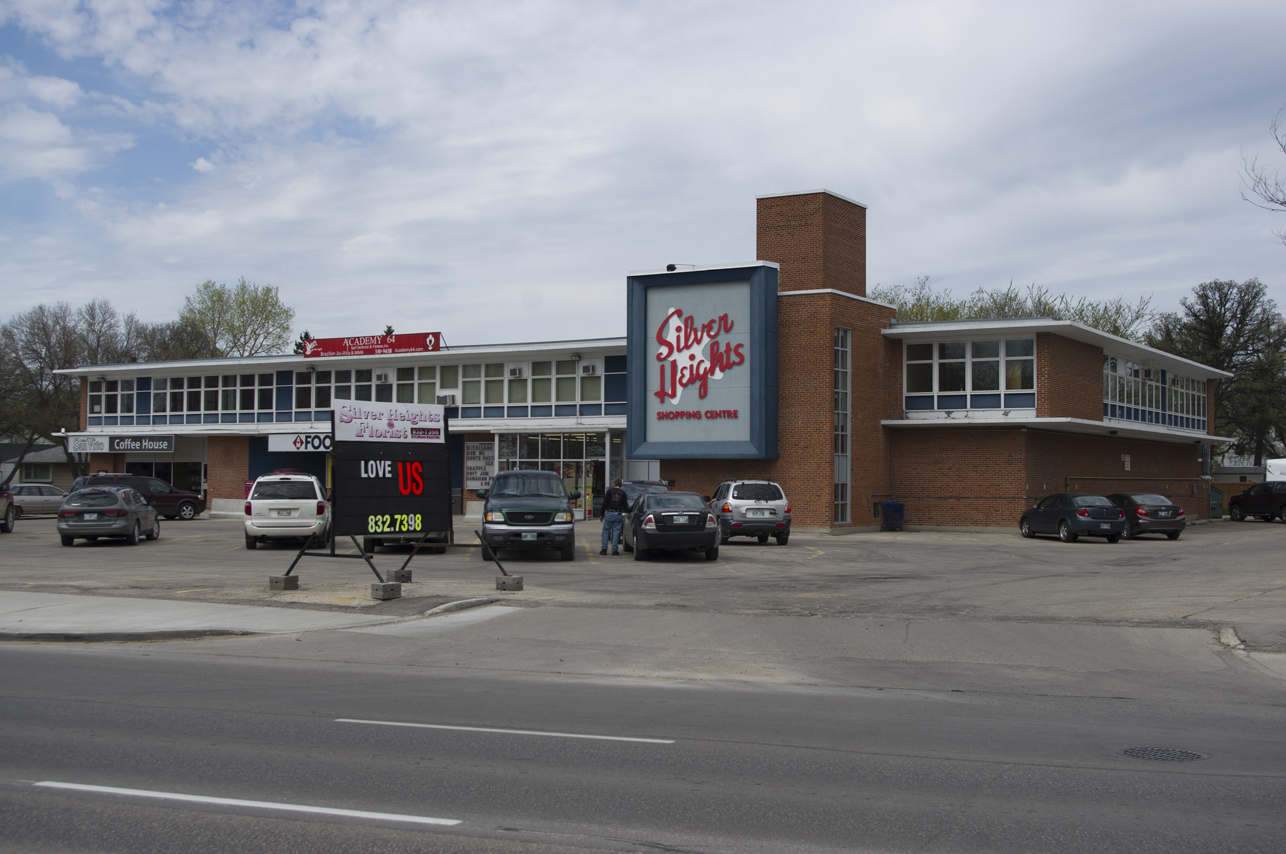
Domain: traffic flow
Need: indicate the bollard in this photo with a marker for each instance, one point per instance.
(283, 582)
(387, 590)
(400, 575)
(508, 582)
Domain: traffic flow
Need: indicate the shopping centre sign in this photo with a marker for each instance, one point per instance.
(374, 345)
(703, 363)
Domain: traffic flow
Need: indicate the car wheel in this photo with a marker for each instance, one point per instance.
(155, 533)
(1237, 514)
(1129, 533)
(6, 527)
(17, 512)
(569, 552)
(1174, 535)
(67, 541)
(132, 537)
(487, 554)
(1024, 528)
(712, 553)
(251, 542)
(1113, 538)
(782, 539)
(763, 538)
(1065, 532)
(187, 511)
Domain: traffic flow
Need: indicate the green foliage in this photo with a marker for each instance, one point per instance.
(303, 338)
(919, 303)
(246, 320)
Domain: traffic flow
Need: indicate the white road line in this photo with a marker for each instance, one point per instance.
(511, 731)
(237, 802)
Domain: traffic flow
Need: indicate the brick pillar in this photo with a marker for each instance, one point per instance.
(818, 238)
(228, 461)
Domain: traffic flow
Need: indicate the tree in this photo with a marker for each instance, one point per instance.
(304, 338)
(388, 329)
(1268, 187)
(1235, 327)
(247, 320)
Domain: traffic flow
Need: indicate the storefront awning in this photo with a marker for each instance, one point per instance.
(1082, 426)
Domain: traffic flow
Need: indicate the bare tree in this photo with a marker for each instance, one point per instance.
(1267, 186)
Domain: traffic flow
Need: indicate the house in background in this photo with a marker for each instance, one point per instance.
(42, 464)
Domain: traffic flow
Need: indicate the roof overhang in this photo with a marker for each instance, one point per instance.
(1081, 426)
(963, 329)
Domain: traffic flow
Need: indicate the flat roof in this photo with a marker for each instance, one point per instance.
(700, 268)
(1114, 429)
(942, 330)
(812, 193)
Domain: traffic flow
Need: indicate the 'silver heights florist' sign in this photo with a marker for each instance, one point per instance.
(390, 422)
(374, 345)
(703, 363)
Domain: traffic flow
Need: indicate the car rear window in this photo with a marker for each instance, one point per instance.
(757, 492)
(1092, 501)
(527, 484)
(298, 490)
(1148, 498)
(677, 501)
(92, 498)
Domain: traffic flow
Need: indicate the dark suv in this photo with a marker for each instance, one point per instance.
(529, 510)
(1266, 501)
(169, 502)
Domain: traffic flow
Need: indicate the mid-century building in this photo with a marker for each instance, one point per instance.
(780, 368)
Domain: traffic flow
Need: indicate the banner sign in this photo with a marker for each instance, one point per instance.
(363, 421)
(374, 345)
(703, 363)
(479, 463)
(280, 443)
(116, 444)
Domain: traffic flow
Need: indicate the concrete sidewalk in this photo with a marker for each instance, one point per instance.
(60, 616)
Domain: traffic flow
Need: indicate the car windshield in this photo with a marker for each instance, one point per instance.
(298, 490)
(1149, 498)
(675, 501)
(1092, 501)
(93, 498)
(527, 485)
(756, 492)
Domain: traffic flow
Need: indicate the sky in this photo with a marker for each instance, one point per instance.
(493, 170)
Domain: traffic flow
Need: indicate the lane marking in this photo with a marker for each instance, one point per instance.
(237, 802)
(510, 731)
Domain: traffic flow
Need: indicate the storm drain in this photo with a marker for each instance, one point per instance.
(1163, 754)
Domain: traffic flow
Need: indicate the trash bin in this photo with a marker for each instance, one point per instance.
(1216, 503)
(893, 514)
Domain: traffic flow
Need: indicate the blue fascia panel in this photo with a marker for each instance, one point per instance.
(542, 411)
(565, 409)
(917, 404)
(516, 412)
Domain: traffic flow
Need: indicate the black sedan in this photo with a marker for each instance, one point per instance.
(671, 521)
(1149, 513)
(1070, 514)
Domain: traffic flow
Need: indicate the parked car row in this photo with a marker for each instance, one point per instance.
(1071, 515)
(1265, 501)
(101, 506)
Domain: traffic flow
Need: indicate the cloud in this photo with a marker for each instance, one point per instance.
(203, 165)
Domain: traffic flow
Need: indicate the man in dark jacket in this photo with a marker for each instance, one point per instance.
(615, 505)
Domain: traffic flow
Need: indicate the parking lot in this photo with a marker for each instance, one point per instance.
(1217, 573)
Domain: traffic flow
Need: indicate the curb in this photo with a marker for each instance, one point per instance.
(458, 606)
(118, 637)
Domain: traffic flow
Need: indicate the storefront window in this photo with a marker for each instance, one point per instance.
(956, 375)
(580, 459)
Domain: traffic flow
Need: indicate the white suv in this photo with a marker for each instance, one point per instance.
(286, 506)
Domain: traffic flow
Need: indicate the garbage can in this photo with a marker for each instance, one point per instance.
(893, 514)
(1216, 503)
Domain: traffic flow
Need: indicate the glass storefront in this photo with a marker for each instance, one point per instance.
(581, 459)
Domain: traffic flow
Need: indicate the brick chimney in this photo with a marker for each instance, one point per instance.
(818, 238)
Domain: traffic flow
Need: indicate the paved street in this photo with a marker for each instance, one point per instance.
(895, 692)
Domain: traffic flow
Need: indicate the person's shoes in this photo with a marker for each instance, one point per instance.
(602, 551)
(615, 553)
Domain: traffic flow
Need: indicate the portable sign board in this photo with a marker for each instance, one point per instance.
(392, 471)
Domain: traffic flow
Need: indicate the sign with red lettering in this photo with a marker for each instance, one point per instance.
(374, 345)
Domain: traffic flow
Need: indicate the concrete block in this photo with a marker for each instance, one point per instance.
(387, 590)
(283, 582)
(399, 575)
(508, 582)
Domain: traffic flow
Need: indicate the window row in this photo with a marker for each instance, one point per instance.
(992, 374)
(1135, 392)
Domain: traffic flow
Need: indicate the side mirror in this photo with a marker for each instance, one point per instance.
(1035, 507)
(574, 495)
(482, 493)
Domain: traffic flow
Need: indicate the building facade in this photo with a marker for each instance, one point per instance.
(779, 369)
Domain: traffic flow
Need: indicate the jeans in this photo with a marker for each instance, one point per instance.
(613, 521)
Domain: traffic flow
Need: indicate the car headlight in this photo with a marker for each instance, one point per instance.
(562, 517)
(493, 516)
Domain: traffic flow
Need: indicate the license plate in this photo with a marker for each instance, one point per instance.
(756, 512)
(529, 537)
(1164, 513)
(89, 516)
(283, 512)
(1106, 526)
(680, 520)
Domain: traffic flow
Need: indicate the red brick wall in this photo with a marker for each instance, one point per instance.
(818, 239)
(1069, 378)
(228, 466)
(106, 462)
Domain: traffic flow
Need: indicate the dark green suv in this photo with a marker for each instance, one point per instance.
(529, 510)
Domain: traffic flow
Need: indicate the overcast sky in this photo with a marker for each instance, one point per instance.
(493, 170)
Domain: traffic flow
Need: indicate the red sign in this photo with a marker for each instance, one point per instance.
(374, 345)
(681, 336)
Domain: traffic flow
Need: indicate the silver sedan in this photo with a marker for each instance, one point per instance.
(32, 499)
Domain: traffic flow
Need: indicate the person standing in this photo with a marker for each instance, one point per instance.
(615, 505)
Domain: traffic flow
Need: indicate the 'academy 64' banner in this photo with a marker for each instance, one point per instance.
(374, 345)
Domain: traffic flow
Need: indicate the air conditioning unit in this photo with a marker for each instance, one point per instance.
(446, 400)
(588, 370)
(515, 373)
(382, 377)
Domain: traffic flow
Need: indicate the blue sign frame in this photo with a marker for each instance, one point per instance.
(762, 276)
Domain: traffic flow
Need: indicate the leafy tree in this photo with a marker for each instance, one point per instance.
(388, 329)
(1268, 187)
(246, 320)
(304, 337)
(1235, 327)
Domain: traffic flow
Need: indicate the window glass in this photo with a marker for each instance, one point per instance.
(428, 392)
(176, 401)
(303, 397)
(471, 391)
(564, 367)
(951, 376)
(362, 376)
(985, 349)
(757, 492)
(322, 397)
(211, 400)
(246, 380)
(1023, 347)
(955, 350)
(323, 377)
(495, 389)
(1051, 501)
(265, 379)
(541, 369)
(247, 398)
(303, 378)
(405, 375)
(495, 369)
(1092, 501)
(158, 403)
(986, 375)
(919, 378)
(343, 392)
(429, 373)
(450, 377)
(540, 390)
(919, 352)
(228, 400)
(265, 398)
(384, 392)
(517, 391)
(1019, 374)
(472, 372)
(566, 388)
(591, 388)
(406, 392)
(343, 376)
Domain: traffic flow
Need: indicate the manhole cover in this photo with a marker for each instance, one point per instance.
(1163, 754)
